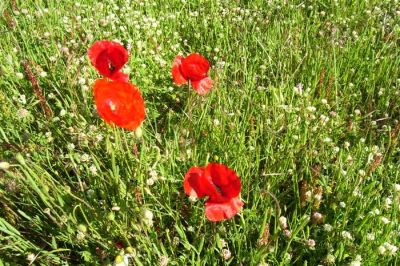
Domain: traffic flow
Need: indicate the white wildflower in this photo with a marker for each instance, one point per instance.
(226, 254)
(370, 236)
(283, 222)
(150, 181)
(93, 169)
(22, 113)
(385, 220)
(347, 235)
(163, 261)
(328, 227)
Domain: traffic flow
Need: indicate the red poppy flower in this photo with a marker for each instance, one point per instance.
(193, 68)
(108, 57)
(220, 184)
(119, 103)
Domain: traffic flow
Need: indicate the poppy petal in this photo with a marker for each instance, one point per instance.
(120, 76)
(196, 182)
(179, 79)
(225, 179)
(108, 57)
(119, 103)
(194, 67)
(202, 86)
(194, 172)
(216, 212)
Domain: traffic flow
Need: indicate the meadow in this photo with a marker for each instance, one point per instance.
(305, 107)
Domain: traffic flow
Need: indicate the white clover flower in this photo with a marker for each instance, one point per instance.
(370, 236)
(355, 263)
(22, 113)
(385, 220)
(310, 243)
(93, 169)
(318, 197)
(391, 249)
(324, 119)
(346, 145)
(22, 98)
(153, 174)
(330, 258)
(175, 241)
(381, 250)
(150, 181)
(190, 228)
(163, 261)
(70, 146)
(328, 227)
(226, 254)
(327, 140)
(388, 202)
(283, 222)
(82, 81)
(85, 157)
(311, 109)
(347, 235)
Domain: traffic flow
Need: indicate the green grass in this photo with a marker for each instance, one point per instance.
(332, 149)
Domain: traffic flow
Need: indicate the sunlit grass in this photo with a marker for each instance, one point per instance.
(305, 107)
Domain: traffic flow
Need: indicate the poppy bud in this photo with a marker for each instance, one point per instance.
(20, 158)
(111, 216)
(82, 228)
(139, 132)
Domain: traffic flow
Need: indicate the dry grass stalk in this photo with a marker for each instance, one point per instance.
(36, 88)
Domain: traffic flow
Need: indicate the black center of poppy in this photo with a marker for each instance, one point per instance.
(111, 67)
(218, 189)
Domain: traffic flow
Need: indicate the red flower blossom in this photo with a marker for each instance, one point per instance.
(193, 68)
(220, 184)
(108, 57)
(119, 103)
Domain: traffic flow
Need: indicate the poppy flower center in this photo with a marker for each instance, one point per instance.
(218, 189)
(110, 66)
